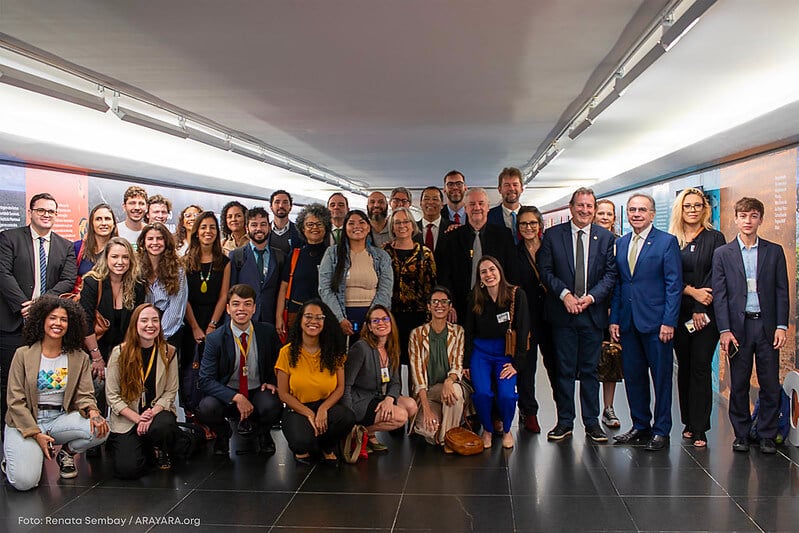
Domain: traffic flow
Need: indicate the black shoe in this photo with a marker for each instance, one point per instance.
(93, 453)
(222, 445)
(265, 444)
(633, 437)
(162, 460)
(740, 445)
(768, 446)
(596, 434)
(559, 433)
(305, 461)
(657, 443)
(245, 428)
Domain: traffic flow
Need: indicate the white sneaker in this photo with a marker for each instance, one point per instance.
(609, 418)
(66, 463)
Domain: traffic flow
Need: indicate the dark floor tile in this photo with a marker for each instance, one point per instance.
(22, 511)
(637, 481)
(90, 471)
(256, 473)
(181, 476)
(688, 514)
(538, 452)
(675, 456)
(375, 475)
(564, 513)
(341, 510)
(295, 529)
(231, 508)
(560, 480)
(455, 513)
(772, 514)
(745, 481)
(457, 480)
(427, 455)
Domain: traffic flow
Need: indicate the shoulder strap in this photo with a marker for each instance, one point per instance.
(512, 306)
(295, 255)
(100, 293)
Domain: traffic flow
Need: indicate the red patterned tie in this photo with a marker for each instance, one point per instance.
(457, 218)
(428, 238)
(243, 389)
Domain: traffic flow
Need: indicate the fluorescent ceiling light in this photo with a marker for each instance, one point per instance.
(686, 22)
(142, 119)
(204, 137)
(644, 63)
(581, 127)
(24, 80)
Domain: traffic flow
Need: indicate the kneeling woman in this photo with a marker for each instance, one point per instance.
(372, 381)
(141, 385)
(310, 381)
(491, 304)
(50, 395)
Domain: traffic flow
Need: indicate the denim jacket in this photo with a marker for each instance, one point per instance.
(335, 301)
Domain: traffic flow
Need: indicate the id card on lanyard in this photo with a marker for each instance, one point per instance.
(144, 377)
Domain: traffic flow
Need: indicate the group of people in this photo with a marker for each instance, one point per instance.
(309, 323)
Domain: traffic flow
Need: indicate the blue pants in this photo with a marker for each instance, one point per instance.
(642, 354)
(578, 347)
(488, 358)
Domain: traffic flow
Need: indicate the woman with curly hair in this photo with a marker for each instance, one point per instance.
(102, 227)
(185, 227)
(50, 395)
(372, 378)
(310, 381)
(301, 280)
(141, 387)
(233, 222)
(208, 280)
(165, 278)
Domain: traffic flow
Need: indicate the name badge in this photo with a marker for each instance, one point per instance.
(245, 371)
(503, 317)
(385, 377)
(751, 285)
(693, 248)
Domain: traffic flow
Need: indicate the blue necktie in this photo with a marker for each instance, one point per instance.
(42, 268)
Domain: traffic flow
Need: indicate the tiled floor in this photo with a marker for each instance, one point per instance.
(538, 486)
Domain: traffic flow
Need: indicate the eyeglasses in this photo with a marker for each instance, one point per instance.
(377, 321)
(313, 225)
(190, 215)
(454, 184)
(402, 222)
(437, 301)
(637, 209)
(44, 212)
(401, 201)
(533, 224)
(313, 318)
(693, 207)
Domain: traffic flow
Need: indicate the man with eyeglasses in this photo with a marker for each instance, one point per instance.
(34, 261)
(455, 191)
(578, 268)
(644, 311)
(237, 375)
(432, 225)
(399, 197)
(510, 188)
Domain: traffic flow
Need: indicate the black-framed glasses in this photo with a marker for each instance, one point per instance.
(401, 201)
(439, 301)
(693, 207)
(313, 225)
(533, 224)
(44, 212)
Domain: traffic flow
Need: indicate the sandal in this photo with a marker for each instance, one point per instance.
(507, 441)
(700, 440)
(487, 442)
(687, 434)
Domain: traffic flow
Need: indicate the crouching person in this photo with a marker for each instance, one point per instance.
(50, 395)
(237, 374)
(140, 387)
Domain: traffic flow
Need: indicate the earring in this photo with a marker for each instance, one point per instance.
(482, 285)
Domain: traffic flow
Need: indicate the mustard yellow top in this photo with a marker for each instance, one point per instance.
(308, 382)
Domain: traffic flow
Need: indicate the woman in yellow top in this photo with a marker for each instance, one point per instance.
(310, 381)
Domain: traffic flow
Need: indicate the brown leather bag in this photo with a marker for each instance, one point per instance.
(463, 442)
(101, 323)
(510, 333)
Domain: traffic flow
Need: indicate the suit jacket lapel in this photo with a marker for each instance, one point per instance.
(568, 249)
(762, 251)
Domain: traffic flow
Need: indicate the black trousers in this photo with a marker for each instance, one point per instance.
(131, 451)
(756, 348)
(300, 435)
(694, 380)
(525, 382)
(9, 342)
(267, 408)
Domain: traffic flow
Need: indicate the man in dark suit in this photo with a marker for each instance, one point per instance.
(34, 261)
(750, 298)
(510, 188)
(461, 249)
(284, 234)
(237, 375)
(258, 265)
(578, 267)
(455, 189)
(644, 311)
(432, 225)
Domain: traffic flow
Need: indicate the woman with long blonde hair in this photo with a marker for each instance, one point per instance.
(141, 386)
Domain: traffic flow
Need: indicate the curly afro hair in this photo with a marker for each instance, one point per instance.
(76, 329)
(331, 340)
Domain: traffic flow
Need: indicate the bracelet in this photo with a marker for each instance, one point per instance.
(94, 350)
(214, 323)
(97, 359)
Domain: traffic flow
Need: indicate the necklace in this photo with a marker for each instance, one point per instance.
(205, 279)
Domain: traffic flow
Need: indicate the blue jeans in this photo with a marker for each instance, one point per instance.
(24, 457)
(488, 358)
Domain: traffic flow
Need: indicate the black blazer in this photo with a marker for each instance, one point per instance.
(243, 269)
(729, 287)
(362, 380)
(442, 229)
(17, 269)
(219, 360)
(454, 259)
(702, 275)
(88, 300)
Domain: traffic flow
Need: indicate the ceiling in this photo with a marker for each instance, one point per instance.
(398, 93)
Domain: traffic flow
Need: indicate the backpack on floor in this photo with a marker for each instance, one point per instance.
(783, 424)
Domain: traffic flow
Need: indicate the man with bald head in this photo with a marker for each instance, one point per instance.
(460, 250)
(377, 209)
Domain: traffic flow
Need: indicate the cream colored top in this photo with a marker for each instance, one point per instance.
(361, 285)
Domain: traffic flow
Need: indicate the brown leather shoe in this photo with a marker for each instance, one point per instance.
(531, 424)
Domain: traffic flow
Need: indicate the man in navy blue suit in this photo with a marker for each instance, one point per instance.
(237, 374)
(577, 266)
(644, 311)
(259, 265)
(510, 187)
(750, 298)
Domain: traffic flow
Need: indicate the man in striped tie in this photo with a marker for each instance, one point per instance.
(34, 261)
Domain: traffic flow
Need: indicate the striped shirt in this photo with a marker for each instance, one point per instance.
(172, 307)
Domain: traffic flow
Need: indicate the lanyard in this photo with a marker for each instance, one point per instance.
(238, 341)
(145, 376)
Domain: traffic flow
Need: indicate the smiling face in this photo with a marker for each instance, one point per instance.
(377, 206)
(454, 188)
(207, 232)
(234, 218)
(402, 225)
(693, 209)
(431, 204)
(489, 273)
(379, 324)
(313, 229)
(148, 326)
(241, 310)
(640, 213)
(312, 321)
(154, 242)
(605, 215)
(103, 222)
(56, 324)
(258, 229)
(157, 213)
(477, 208)
(582, 210)
(43, 215)
(281, 205)
(135, 207)
(528, 226)
(338, 207)
(511, 190)
(439, 305)
(118, 259)
(189, 216)
(400, 199)
(357, 228)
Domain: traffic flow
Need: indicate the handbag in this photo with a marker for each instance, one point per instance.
(190, 382)
(463, 442)
(354, 444)
(510, 334)
(611, 349)
(101, 323)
